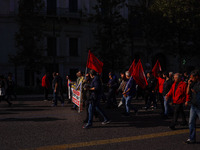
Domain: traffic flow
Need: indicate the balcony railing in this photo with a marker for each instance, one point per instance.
(60, 12)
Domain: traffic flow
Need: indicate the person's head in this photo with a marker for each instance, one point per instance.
(128, 75)
(110, 75)
(149, 74)
(122, 75)
(177, 77)
(194, 76)
(92, 73)
(165, 75)
(54, 74)
(185, 74)
(79, 74)
(171, 74)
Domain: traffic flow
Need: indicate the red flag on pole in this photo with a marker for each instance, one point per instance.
(139, 75)
(156, 69)
(132, 67)
(94, 63)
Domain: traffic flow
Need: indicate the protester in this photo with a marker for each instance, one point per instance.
(94, 101)
(56, 86)
(193, 90)
(10, 88)
(150, 94)
(78, 85)
(128, 94)
(178, 92)
(112, 85)
(46, 85)
(3, 88)
(160, 91)
(166, 88)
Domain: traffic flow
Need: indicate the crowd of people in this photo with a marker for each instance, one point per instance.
(171, 91)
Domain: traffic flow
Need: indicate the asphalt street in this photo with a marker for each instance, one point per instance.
(35, 125)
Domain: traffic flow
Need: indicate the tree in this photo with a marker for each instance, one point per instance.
(183, 20)
(29, 37)
(110, 33)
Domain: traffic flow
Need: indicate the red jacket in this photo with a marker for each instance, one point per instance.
(45, 82)
(161, 82)
(180, 95)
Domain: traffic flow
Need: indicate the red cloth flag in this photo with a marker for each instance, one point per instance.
(139, 75)
(94, 63)
(156, 69)
(132, 67)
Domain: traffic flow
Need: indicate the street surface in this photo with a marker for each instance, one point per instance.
(32, 124)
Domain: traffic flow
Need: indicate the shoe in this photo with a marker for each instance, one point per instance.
(87, 126)
(190, 141)
(120, 104)
(105, 122)
(45, 100)
(73, 108)
(172, 127)
(53, 105)
(62, 104)
(165, 117)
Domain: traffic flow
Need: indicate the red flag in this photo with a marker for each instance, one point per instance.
(139, 75)
(94, 63)
(132, 67)
(156, 69)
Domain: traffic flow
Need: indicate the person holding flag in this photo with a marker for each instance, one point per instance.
(128, 94)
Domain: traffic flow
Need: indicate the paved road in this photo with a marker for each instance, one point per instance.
(35, 125)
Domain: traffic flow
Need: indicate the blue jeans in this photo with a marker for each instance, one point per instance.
(56, 97)
(92, 106)
(127, 102)
(167, 106)
(194, 112)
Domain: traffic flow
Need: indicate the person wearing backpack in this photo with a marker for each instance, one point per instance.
(193, 90)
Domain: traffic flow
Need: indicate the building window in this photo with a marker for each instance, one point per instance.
(73, 46)
(51, 46)
(51, 7)
(73, 5)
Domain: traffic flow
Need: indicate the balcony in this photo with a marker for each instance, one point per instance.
(61, 12)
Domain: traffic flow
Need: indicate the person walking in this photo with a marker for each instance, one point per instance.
(3, 90)
(150, 94)
(46, 85)
(178, 92)
(56, 90)
(128, 94)
(112, 85)
(166, 88)
(94, 101)
(193, 90)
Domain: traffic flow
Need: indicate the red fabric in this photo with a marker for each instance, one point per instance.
(160, 84)
(139, 75)
(94, 63)
(181, 93)
(132, 67)
(45, 82)
(156, 69)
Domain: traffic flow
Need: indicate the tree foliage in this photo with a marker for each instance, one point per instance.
(110, 33)
(28, 38)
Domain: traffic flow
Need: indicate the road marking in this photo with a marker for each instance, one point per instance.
(111, 141)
